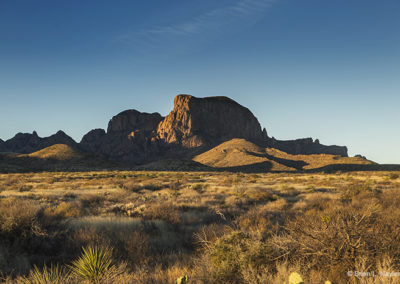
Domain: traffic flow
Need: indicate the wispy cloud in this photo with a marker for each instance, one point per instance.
(214, 21)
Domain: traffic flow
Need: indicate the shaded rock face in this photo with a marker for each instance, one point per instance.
(59, 138)
(131, 120)
(91, 142)
(22, 143)
(27, 143)
(130, 137)
(196, 122)
(306, 146)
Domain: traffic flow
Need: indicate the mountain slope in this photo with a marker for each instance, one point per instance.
(60, 152)
(239, 153)
(315, 161)
(56, 157)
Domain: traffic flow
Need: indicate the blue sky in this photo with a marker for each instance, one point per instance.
(311, 68)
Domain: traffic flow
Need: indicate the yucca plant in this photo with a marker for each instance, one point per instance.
(49, 275)
(94, 264)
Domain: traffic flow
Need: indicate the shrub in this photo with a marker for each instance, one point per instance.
(234, 254)
(25, 188)
(355, 189)
(340, 234)
(64, 210)
(131, 186)
(165, 211)
(18, 217)
(197, 187)
(92, 200)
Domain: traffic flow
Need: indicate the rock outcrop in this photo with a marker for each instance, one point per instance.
(27, 143)
(306, 146)
(196, 122)
(133, 120)
(130, 138)
(92, 141)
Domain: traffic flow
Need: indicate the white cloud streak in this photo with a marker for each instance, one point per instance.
(214, 21)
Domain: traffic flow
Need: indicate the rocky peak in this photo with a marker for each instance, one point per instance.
(195, 122)
(21, 142)
(131, 120)
(59, 138)
(28, 143)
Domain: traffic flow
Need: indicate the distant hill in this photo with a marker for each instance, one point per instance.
(241, 154)
(56, 157)
(59, 152)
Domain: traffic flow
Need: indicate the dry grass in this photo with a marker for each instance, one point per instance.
(212, 227)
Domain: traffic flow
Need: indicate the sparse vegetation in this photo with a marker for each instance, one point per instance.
(150, 227)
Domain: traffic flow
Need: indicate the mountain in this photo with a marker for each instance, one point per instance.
(28, 143)
(196, 122)
(192, 128)
(130, 138)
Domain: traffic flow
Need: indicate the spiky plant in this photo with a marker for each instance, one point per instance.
(93, 264)
(49, 275)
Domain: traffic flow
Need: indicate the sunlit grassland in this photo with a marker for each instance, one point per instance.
(211, 227)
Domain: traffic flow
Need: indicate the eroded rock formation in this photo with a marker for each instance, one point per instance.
(196, 122)
(133, 120)
(130, 138)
